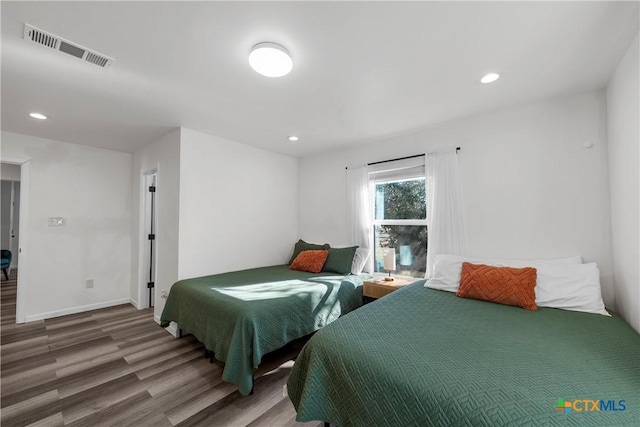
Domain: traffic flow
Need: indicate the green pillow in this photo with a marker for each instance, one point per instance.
(304, 246)
(340, 260)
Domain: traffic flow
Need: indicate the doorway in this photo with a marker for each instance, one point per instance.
(10, 215)
(14, 195)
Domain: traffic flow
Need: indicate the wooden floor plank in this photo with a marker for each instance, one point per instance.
(281, 414)
(196, 404)
(26, 385)
(118, 392)
(19, 367)
(19, 335)
(36, 346)
(54, 420)
(164, 382)
(175, 361)
(65, 370)
(236, 409)
(29, 405)
(61, 340)
(133, 410)
(93, 377)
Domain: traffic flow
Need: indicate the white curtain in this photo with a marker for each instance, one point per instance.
(446, 233)
(358, 211)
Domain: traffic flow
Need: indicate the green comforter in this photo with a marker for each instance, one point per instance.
(243, 315)
(421, 357)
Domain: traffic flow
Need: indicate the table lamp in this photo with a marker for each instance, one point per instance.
(389, 262)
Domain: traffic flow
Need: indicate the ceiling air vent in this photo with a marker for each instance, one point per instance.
(58, 43)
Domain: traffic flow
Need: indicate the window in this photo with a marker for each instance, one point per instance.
(400, 218)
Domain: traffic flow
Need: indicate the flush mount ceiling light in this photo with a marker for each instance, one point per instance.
(270, 59)
(489, 78)
(293, 138)
(38, 116)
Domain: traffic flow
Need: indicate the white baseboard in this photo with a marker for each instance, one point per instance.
(74, 310)
(135, 304)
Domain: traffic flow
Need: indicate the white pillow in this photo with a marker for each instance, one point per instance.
(359, 260)
(570, 287)
(446, 268)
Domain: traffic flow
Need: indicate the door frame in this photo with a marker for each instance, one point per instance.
(143, 246)
(23, 234)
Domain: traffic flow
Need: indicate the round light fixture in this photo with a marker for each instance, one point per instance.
(293, 138)
(489, 78)
(270, 59)
(38, 116)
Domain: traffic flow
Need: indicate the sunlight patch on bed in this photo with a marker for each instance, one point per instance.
(262, 291)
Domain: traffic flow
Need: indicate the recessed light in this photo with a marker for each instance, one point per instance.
(38, 116)
(489, 78)
(270, 59)
(293, 138)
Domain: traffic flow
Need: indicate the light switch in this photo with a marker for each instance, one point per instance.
(57, 221)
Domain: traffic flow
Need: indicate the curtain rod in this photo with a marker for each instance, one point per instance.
(399, 158)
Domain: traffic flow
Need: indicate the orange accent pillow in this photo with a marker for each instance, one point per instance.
(311, 261)
(504, 285)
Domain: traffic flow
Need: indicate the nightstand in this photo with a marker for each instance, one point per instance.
(377, 288)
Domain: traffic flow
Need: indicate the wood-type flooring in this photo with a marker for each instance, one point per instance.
(117, 367)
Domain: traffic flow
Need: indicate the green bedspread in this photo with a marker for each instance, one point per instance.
(421, 357)
(243, 315)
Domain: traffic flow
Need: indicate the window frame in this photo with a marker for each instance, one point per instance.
(411, 175)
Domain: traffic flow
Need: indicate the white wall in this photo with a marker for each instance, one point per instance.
(530, 187)
(624, 139)
(221, 206)
(238, 205)
(91, 187)
(163, 155)
(10, 172)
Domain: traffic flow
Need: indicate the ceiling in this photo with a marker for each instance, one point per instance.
(362, 70)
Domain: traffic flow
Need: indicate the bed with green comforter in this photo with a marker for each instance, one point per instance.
(423, 357)
(243, 315)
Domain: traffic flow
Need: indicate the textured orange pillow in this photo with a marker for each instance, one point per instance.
(504, 285)
(311, 261)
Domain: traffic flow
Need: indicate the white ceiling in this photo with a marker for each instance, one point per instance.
(362, 70)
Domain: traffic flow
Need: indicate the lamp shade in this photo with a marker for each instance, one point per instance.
(389, 259)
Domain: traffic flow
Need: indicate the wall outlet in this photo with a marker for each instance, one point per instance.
(57, 221)
(163, 294)
(89, 283)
